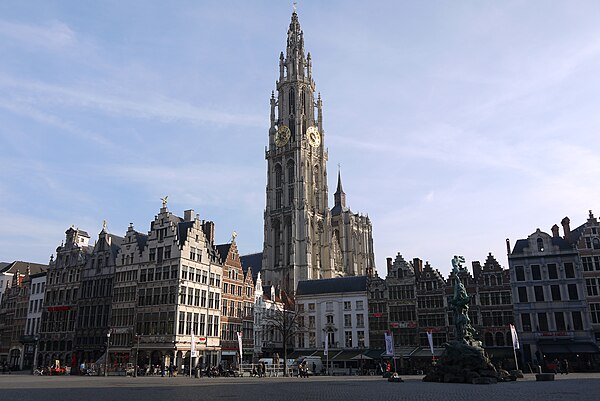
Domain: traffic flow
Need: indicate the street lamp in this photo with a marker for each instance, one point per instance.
(137, 352)
(107, 352)
(35, 344)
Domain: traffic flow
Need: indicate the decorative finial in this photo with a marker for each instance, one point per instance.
(233, 236)
(339, 167)
(103, 225)
(295, 3)
(164, 201)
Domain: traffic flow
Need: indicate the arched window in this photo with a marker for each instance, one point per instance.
(291, 171)
(278, 176)
(540, 244)
(292, 101)
(288, 236)
(277, 242)
(316, 182)
(292, 129)
(500, 339)
(291, 177)
(489, 340)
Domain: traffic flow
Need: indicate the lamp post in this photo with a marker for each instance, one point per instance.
(137, 352)
(107, 353)
(35, 344)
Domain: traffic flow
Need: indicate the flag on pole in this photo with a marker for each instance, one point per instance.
(239, 337)
(430, 339)
(326, 352)
(389, 343)
(515, 339)
(193, 346)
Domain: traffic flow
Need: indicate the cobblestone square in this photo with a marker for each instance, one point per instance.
(581, 387)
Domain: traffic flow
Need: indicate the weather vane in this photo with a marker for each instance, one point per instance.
(164, 201)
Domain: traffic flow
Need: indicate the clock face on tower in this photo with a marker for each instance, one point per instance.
(282, 136)
(313, 136)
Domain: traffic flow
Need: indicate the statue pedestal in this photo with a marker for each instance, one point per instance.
(462, 363)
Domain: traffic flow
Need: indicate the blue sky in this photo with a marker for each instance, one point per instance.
(457, 124)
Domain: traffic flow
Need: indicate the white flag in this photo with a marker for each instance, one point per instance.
(389, 343)
(515, 339)
(239, 337)
(193, 346)
(326, 352)
(430, 339)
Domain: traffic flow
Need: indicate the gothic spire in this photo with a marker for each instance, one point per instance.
(339, 196)
(294, 56)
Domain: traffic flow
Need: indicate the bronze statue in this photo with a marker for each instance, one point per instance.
(459, 304)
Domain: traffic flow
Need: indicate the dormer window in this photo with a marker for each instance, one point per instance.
(540, 245)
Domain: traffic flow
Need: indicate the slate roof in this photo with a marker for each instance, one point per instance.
(562, 244)
(115, 243)
(141, 240)
(520, 245)
(21, 266)
(182, 231)
(338, 209)
(3, 265)
(253, 260)
(223, 250)
(332, 285)
(576, 233)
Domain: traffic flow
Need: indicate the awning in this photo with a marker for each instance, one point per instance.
(554, 348)
(374, 353)
(228, 353)
(361, 357)
(102, 359)
(583, 348)
(297, 354)
(346, 356)
(404, 352)
(425, 352)
(568, 347)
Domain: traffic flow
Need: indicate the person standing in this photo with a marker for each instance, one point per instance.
(565, 366)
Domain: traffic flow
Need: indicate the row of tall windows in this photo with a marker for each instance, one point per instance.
(551, 272)
(561, 321)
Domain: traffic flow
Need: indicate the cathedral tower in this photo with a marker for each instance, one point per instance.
(296, 214)
(299, 242)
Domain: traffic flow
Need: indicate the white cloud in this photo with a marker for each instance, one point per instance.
(125, 104)
(54, 35)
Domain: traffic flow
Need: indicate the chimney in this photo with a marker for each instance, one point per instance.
(555, 233)
(508, 246)
(389, 265)
(476, 269)
(188, 215)
(418, 266)
(566, 228)
(209, 230)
